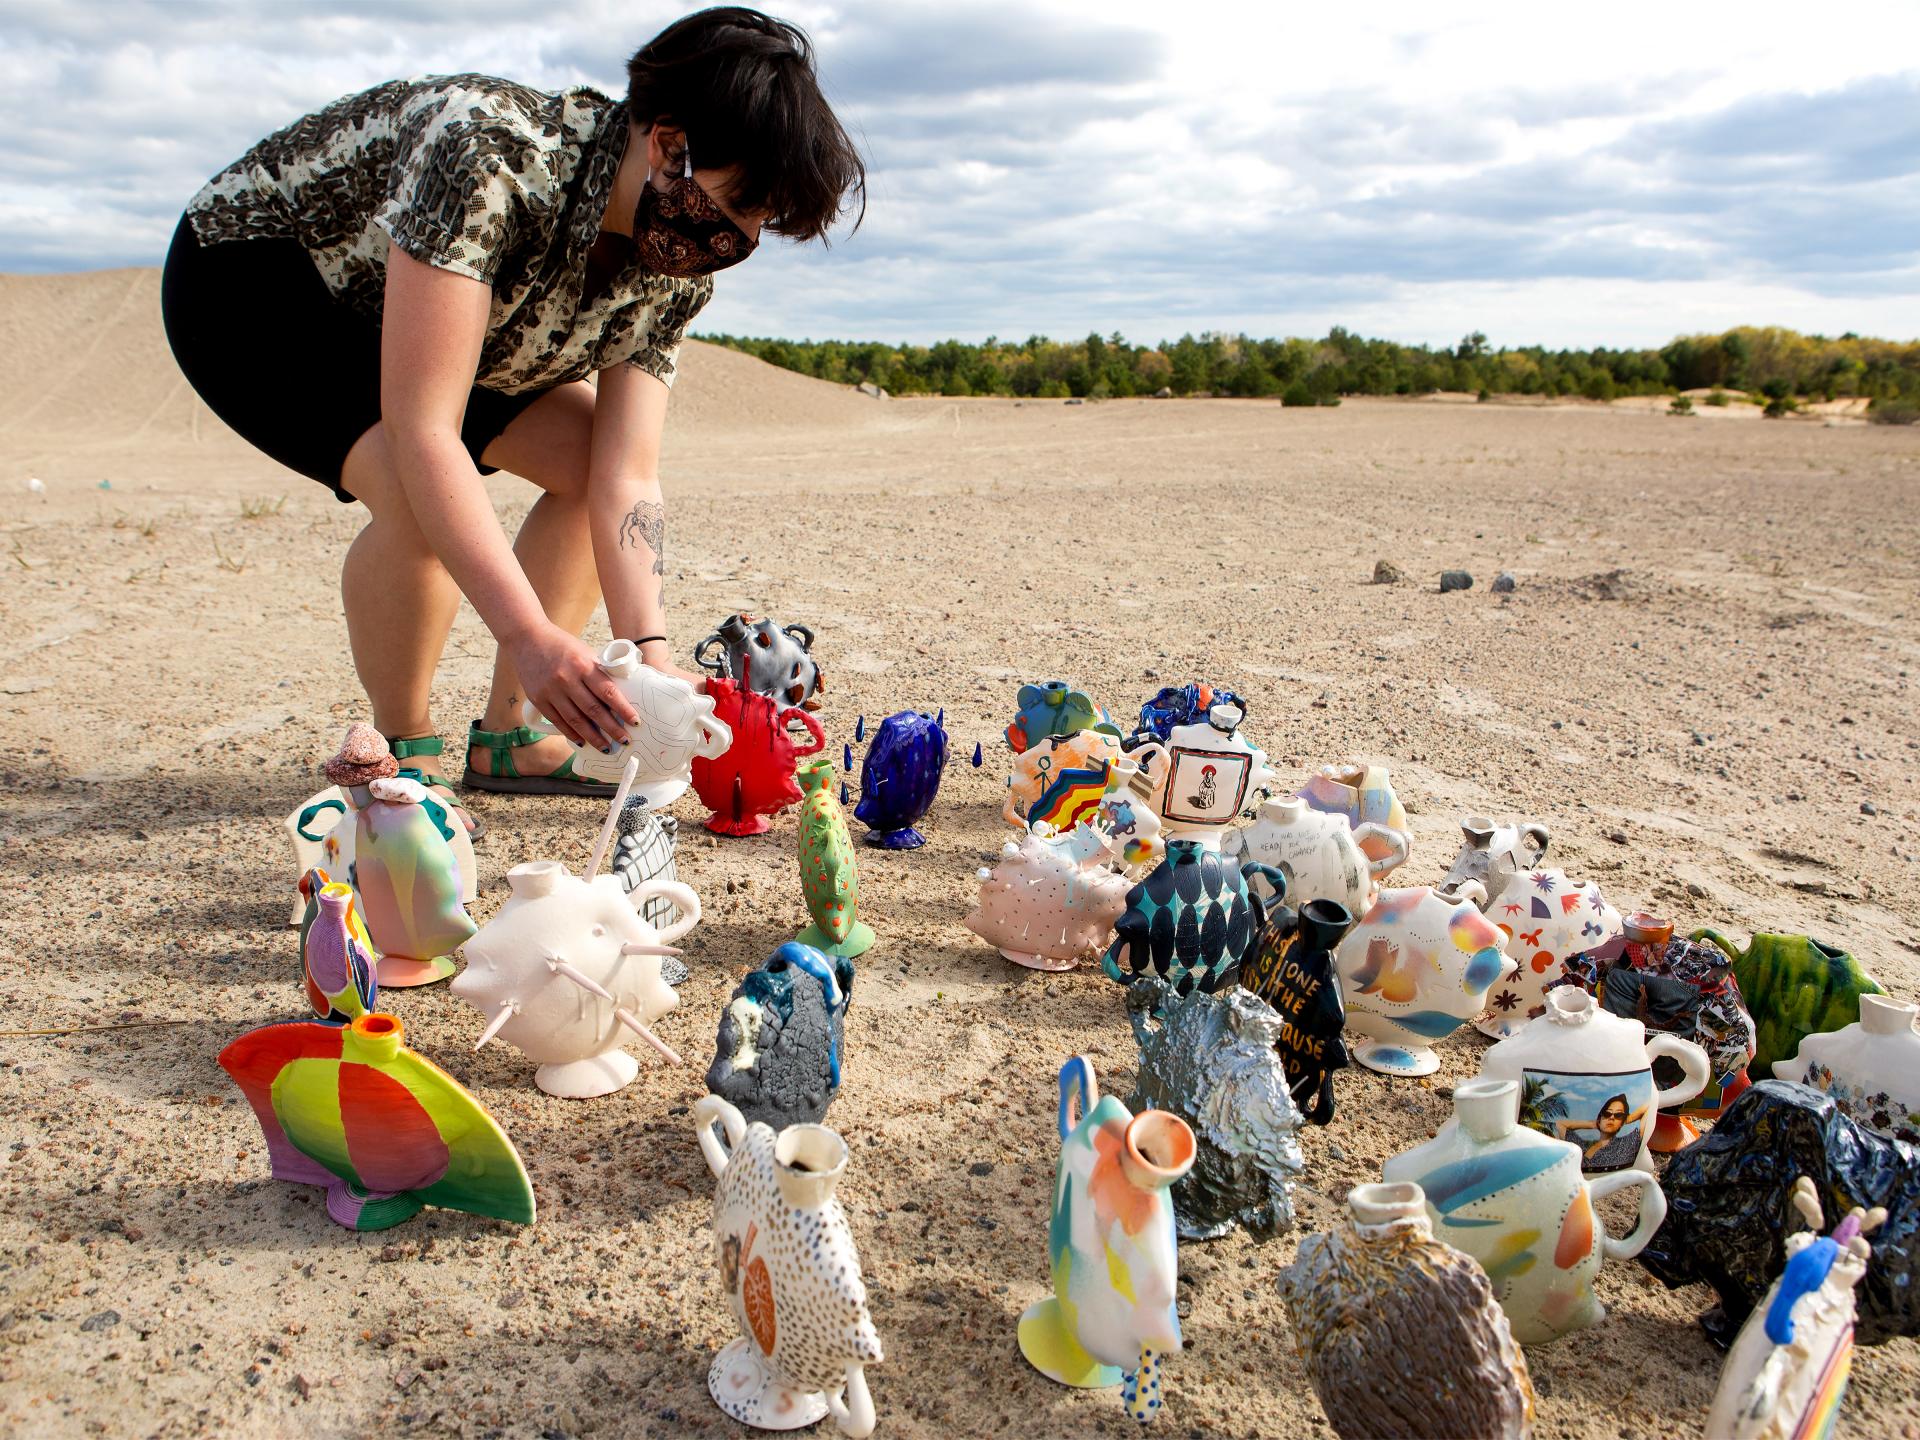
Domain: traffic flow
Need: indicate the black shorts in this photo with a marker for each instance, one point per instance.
(280, 360)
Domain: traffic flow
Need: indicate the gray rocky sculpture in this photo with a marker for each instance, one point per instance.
(777, 1059)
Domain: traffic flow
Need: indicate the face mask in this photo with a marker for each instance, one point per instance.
(681, 232)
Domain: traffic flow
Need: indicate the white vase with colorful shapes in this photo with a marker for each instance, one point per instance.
(1111, 1319)
(1515, 1200)
(791, 1274)
(1871, 1068)
(1414, 970)
(1548, 920)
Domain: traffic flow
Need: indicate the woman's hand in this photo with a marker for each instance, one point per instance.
(564, 682)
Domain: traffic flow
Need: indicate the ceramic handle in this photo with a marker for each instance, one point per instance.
(1691, 1059)
(306, 817)
(1008, 813)
(793, 713)
(1079, 1093)
(1653, 1209)
(1725, 945)
(706, 1110)
(854, 1413)
(1146, 755)
(684, 900)
(800, 633)
(1274, 876)
(1536, 835)
(718, 667)
(1395, 840)
(716, 736)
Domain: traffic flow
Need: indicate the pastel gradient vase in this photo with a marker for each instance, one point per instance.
(408, 881)
(829, 871)
(1362, 794)
(384, 1130)
(753, 779)
(336, 953)
(1111, 1246)
(1515, 1200)
(1415, 969)
(899, 777)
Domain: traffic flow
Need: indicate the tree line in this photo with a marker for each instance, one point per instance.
(1765, 362)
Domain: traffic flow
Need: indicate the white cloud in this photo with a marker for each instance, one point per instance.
(1544, 174)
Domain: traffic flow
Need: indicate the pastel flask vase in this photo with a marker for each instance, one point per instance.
(791, 1274)
(754, 778)
(409, 883)
(1413, 970)
(1516, 1201)
(1323, 857)
(336, 955)
(1871, 1068)
(385, 1131)
(677, 725)
(1206, 777)
(1052, 900)
(1399, 1331)
(829, 869)
(1111, 1246)
(1362, 794)
(322, 832)
(1587, 1076)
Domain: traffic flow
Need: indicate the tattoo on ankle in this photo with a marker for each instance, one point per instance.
(647, 522)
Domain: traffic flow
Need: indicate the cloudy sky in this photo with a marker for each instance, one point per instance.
(1060, 166)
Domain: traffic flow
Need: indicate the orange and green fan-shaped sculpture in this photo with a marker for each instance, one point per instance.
(386, 1131)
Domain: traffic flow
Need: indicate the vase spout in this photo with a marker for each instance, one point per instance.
(1158, 1149)
(808, 1162)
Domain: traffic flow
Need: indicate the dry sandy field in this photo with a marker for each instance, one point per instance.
(1703, 683)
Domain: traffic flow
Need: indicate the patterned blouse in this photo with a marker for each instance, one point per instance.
(475, 175)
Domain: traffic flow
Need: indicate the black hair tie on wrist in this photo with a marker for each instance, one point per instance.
(648, 640)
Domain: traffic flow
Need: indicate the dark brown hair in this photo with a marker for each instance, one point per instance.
(743, 87)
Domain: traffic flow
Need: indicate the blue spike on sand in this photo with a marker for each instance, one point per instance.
(979, 759)
(844, 795)
(846, 757)
(860, 728)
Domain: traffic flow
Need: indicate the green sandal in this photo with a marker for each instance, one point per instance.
(405, 747)
(502, 778)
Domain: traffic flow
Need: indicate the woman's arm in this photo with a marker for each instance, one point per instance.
(626, 510)
(433, 326)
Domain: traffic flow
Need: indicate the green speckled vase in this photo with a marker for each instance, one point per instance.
(1794, 987)
(829, 877)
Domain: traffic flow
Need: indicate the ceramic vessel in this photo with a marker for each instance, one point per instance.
(322, 833)
(765, 657)
(1412, 971)
(1516, 1201)
(777, 1057)
(1207, 777)
(1322, 856)
(336, 953)
(1794, 986)
(829, 873)
(1400, 1334)
(791, 1274)
(899, 777)
(1871, 1068)
(1213, 1063)
(1111, 1246)
(385, 1131)
(1052, 901)
(1183, 705)
(1684, 988)
(1034, 769)
(1587, 1076)
(1054, 707)
(1548, 921)
(1126, 814)
(1362, 794)
(567, 967)
(1292, 969)
(1494, 854)
(409, 883)
(1190, 922)
(643, 852)
(1732, 1210)
(676, 727)
(754, 778)
(1787, 1372)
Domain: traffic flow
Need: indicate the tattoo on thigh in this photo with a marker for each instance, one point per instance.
(647, 521)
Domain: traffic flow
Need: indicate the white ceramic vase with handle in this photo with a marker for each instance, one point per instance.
(1324, 857)
(1871, 1068)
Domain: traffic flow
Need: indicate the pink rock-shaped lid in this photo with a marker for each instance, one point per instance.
(363, 757)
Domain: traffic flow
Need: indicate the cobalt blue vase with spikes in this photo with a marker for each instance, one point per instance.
(899, 777)
(1191, 921)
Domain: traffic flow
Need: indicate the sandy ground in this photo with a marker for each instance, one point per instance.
(1705, 672)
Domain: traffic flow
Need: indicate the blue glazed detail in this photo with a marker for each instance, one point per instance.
(1805, 1273)
(1482, 970)
(899, 778)
(1184, 705)
(1464, 1182)
(771, 986)
(1428, 1024)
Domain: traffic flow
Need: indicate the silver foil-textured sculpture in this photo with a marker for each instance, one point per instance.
(1212, 1062)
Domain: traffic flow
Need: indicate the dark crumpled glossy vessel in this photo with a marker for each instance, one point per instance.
(1729, 1207)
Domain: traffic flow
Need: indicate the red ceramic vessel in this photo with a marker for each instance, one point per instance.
(754, 778)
